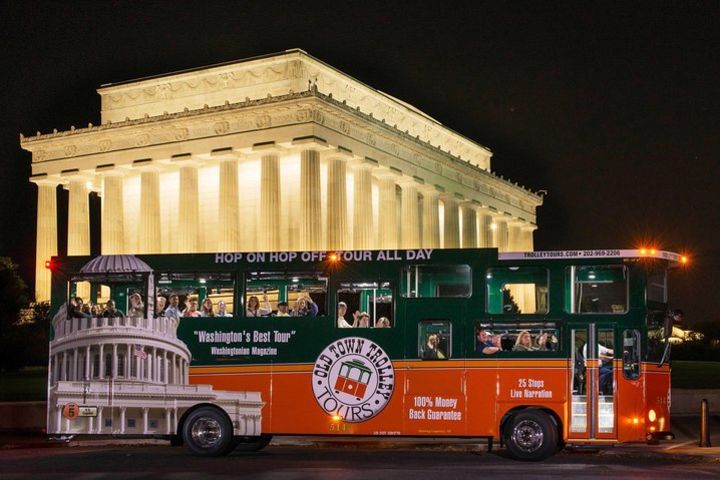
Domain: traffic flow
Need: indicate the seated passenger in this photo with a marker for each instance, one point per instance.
(487, 343)
(96, 310)
(342, 310)
(192, 310)
(542, 342)
(383, 322)
(221, 312)
(110, 311)
(137, 308)
(253, 307)
(523, 343)
(207, 308)
(160, 306)
(431, 350)
(173, 310)
(363, 320)
(75, 308)
(305, 307)
(283, 310)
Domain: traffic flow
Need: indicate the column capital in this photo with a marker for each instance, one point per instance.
(224, 154)
(145, 165)
(185, 160)
(382, 172)
(45, 179)
(339, 153)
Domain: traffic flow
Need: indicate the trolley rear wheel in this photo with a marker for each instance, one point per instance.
(531, 435)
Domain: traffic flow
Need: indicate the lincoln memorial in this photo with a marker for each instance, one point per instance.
(274, 153)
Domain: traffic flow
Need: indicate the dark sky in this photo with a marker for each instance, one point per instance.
(614, 109)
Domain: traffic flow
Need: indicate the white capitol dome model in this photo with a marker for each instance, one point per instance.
(132, 373)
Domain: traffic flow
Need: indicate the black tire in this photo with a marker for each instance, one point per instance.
(531, 435)
(251, 444)
(208, 432)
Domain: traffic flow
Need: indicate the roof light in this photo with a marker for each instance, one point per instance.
(683, 259)
(643, 251)
(653, 251)
(333, 257)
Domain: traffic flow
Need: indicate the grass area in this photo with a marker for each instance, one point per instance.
(28, 384)
(695, 375)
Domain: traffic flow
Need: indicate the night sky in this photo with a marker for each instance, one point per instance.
(613, 109)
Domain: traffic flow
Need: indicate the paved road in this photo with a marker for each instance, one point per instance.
(356, 462)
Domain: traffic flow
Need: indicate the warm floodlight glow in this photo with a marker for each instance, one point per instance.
(89, 185)
(493, 226)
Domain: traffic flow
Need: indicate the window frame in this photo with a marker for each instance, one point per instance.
(404, 272)
(572, 281)
(509, 267)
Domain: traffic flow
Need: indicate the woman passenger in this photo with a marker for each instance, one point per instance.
(253, 307)
(383, 322)
(523, 343)
(305, 307)
(207, 308)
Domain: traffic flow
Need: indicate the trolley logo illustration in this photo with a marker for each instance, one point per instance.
(353, 378)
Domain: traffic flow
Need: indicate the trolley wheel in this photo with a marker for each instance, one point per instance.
(208, 432)
(251, 444)
(530, 435)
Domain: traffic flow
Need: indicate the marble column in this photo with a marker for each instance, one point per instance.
(469, 226)
(78, 219)
(310, 209)
(113, 229)
(228, 218)
(337, 225)
(88, 373)
(410, 218)
(114, 366)
(149, 231)
(501, 234)
(486, 230)
(101, 362)
(387, 212)
(514, 237)
(451, 227)
(431, 218)
(526, 238)
(46, 246)
(362, 211)
(188, 230)
(269, 231)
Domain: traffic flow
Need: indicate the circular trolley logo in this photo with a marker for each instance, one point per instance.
(353, 378)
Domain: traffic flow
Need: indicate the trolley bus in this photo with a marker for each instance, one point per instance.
(222, 351)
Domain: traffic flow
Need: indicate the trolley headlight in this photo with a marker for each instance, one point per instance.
(652, 416)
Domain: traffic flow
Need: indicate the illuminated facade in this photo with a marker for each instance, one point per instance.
(280, 152)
